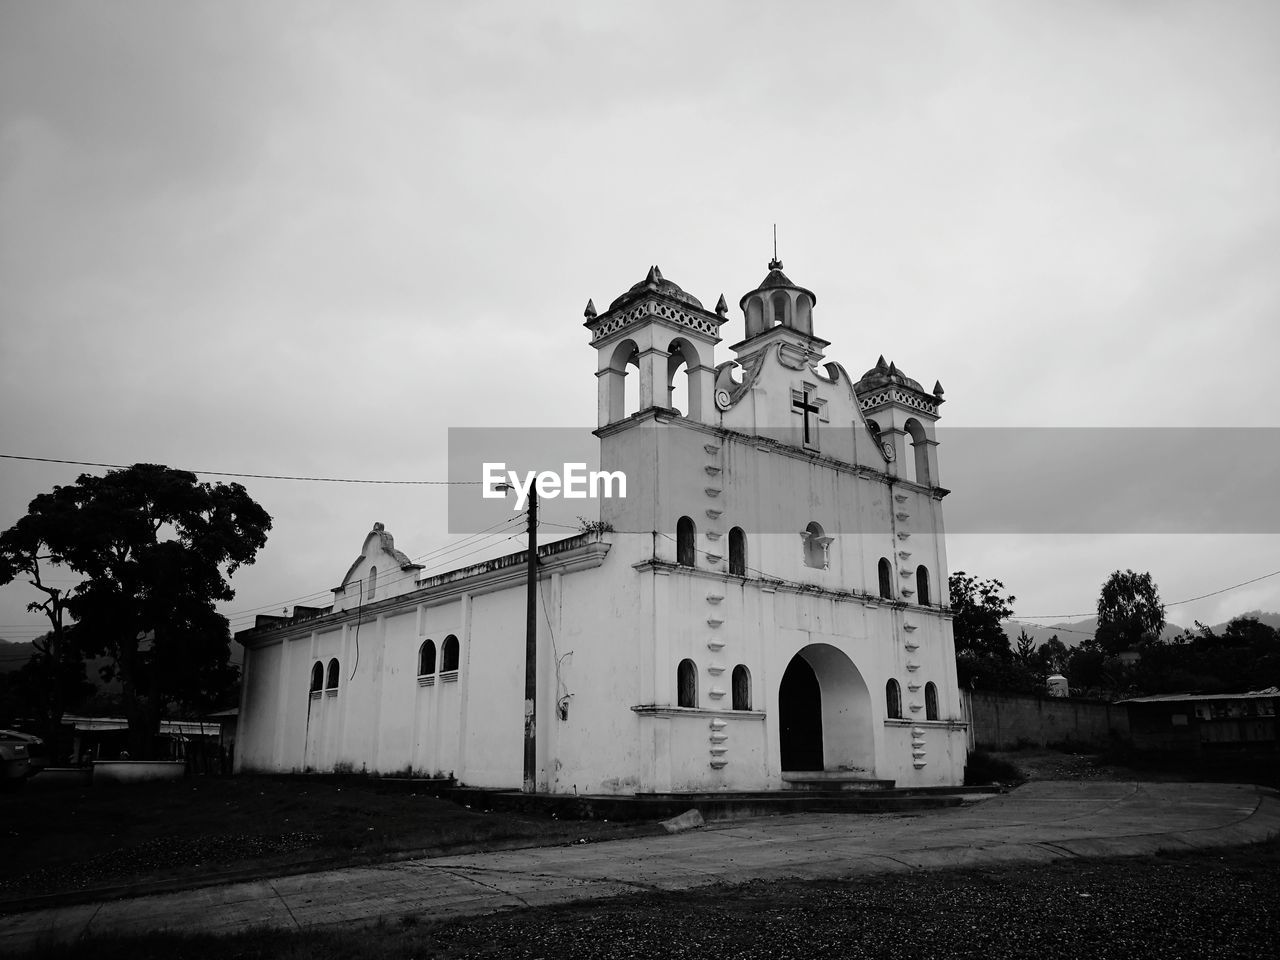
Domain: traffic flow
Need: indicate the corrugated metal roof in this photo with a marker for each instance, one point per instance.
(1192, 697)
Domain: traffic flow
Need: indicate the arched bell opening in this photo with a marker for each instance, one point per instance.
(623, 381)
(804, 314)
(682, 362)
(780, 310)
(755, 316)
(917, 460)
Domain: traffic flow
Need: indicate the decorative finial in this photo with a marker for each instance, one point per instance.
(378, 528)
(722, 308)
(893, 370)
(937, 389)
(775, 263)
(881, 365)
(655, 275)
(590, 312)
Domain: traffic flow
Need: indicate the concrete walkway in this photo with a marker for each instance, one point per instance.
(1038, 822)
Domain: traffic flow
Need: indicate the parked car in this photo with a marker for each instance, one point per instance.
(21, 755)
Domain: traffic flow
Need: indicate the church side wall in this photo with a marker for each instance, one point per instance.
(492, 744)
(258, 711)
(602, 642)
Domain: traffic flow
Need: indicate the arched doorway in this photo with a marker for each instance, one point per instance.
(824, 713)
(800, 717)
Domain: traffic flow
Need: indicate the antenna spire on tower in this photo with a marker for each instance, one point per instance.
(775, 263)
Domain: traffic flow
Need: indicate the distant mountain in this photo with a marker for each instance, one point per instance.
(1073, 634)
(14, 653)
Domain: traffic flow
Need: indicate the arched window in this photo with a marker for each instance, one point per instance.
(373, 582)
(687, 684)
(922, 585)
(333, 675)
(449, 654)
(815, 546)
(686, 542)
(317, 677)
(738, 552)
(427, 658)
(893, 699)
(741, 688)
(886, 578)
(931, 701)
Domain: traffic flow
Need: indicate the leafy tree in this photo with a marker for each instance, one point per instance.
(1053, 655)
(979, 609)
(983, 655)
(56, 672)
(26, 552)
(1130, 614)
(155, 548)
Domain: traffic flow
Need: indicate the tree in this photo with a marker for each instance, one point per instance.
(1054, 654)
(1026, 649)
(1130, 614)
(26, 551)
(983, 655)
(978, 610)
(155, 548)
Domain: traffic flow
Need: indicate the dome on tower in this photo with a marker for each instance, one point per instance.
(883, 374)
(775, 279)
(655, 282)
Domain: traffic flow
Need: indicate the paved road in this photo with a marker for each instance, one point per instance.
(1037, 822)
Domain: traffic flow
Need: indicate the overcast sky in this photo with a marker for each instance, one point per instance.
(307, 238)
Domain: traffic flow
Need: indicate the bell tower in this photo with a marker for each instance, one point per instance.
(780, 312)
(655, 328)
(903, 417)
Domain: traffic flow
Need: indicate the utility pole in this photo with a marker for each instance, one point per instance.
(531, 655)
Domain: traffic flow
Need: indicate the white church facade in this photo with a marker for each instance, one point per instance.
(766, 602)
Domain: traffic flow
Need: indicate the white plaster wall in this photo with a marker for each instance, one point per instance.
(605, 648)
(258, 709)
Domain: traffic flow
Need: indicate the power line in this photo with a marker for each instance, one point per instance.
(1171, 603)
(443, 555)
(252, 476)
(448, 553)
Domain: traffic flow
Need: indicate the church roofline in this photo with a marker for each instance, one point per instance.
(780, 333)
(587, 549)
(388, 544)
(665, 416)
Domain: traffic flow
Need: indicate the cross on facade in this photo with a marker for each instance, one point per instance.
(804, 403)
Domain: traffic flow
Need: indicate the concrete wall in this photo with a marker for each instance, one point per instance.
(1003, 721)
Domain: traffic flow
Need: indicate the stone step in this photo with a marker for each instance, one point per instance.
(832, 780)
(729, 805)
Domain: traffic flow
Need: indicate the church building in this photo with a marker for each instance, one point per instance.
(766, 605)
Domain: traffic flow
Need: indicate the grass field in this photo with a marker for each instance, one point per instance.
(1206, 904)
(79, 839)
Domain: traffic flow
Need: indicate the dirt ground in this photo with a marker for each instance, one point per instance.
(1043, 764)
(1203, 904)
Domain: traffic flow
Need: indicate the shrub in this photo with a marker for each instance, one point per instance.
(982, 769)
